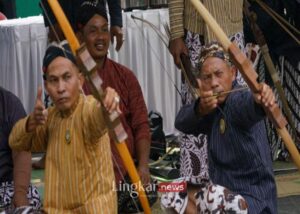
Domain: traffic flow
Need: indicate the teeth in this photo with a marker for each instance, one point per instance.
(99, 46)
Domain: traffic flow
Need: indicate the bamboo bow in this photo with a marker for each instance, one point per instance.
(250, 76)
(113, 121)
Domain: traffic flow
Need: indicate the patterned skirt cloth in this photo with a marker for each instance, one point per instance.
(7, 194)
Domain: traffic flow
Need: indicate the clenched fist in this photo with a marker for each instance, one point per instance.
(265, 96)
(39, 115)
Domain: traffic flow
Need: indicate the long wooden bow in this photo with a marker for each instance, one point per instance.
(250, 76)
(113, 121)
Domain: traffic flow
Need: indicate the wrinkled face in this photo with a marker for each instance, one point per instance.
(96, 36)
(217, 75)
(63, 83)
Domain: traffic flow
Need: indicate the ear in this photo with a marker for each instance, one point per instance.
(233, 70)
(79, 35)
(81, 80)
(45, 86)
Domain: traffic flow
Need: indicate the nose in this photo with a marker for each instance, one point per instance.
(214, 82)
(61, 87)
(100, 34)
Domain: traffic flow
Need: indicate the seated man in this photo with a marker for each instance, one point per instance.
(15, 167)
(93, 30)
(238, 150)
(79, 174)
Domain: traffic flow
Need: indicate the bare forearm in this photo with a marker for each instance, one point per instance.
(143, 151)
(22, 174)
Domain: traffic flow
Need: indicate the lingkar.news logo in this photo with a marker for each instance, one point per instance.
(153, 187)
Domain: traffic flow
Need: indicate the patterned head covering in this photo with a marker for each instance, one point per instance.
(213, 50)
(55, 50)
(87, 10)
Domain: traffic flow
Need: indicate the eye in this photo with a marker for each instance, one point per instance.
(219, 73)
(105, 29)
(92, 31)
(67, 77)
(206, 77)
(52, 79)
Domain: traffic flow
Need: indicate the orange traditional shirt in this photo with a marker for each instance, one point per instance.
(79, 175)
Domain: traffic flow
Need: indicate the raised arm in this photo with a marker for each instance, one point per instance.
(189, 120)
(248, 108)
(29, 134)
(93, 114)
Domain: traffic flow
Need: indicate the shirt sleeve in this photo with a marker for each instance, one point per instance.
(176, 15)
(17, 112)
(20, 140)
(115, 12)
(137, 108)
(94, 123)
(244, 111)
(188, 120)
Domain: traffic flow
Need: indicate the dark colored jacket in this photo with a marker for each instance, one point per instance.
(11, 110)
(240, 158)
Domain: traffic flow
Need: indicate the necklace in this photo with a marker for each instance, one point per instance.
(222, 126)
(222, 123)
(66, 115)
(68, 136)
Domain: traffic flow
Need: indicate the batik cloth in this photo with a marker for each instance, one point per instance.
(7, 194)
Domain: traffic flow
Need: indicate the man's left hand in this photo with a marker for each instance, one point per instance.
(116, 31)
(144, 173)
(111, 100)
(265, 96)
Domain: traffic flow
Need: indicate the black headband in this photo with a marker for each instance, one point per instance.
(56, 50)
(87, 10)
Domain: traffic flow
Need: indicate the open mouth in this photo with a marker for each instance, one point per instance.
(100, 46)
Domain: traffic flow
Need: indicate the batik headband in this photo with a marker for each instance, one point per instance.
(213, 50)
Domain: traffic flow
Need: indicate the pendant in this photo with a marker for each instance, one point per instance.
(68, 136)
(222, 126)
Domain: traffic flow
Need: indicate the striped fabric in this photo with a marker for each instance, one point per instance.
(240, 158)
(79, 174)
(183, 16)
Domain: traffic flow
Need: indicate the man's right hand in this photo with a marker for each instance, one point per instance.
(207, 102)
(178, 47)
(39, 115)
